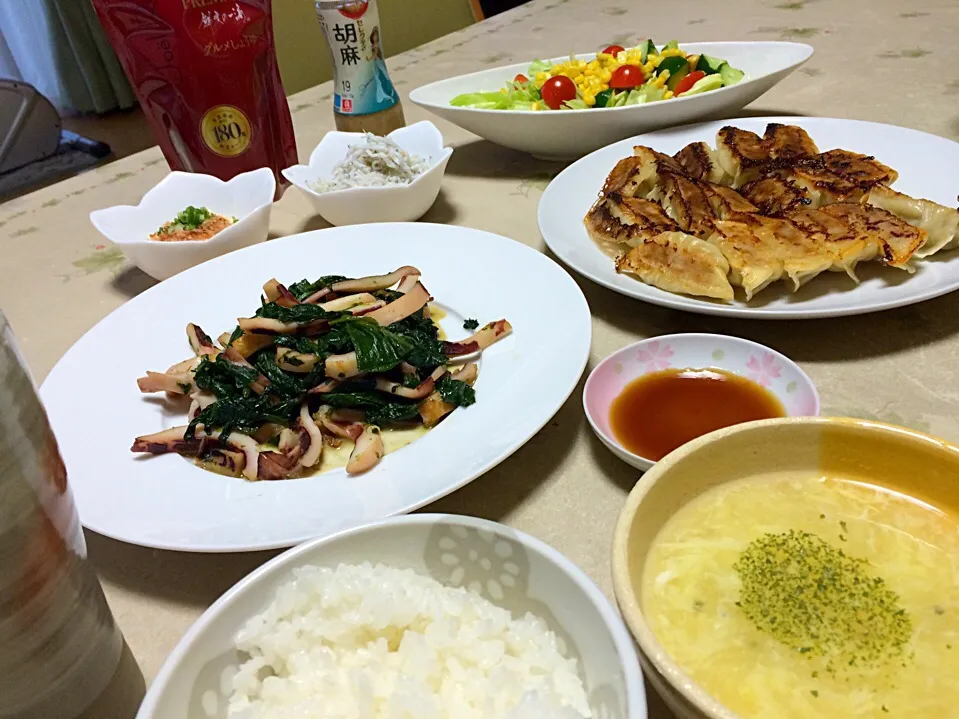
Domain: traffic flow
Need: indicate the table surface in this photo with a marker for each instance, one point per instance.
(877, 60)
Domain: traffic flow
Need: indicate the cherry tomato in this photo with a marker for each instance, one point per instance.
(627, 76)
(521, 78)
(558, 90)
(688, 81)
(613, 50)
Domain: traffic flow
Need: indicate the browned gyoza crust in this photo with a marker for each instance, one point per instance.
(621, 219)
(775, 206)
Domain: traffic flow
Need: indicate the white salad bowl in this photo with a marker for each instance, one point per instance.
(390, 203)
(767, 367)
(508, 568)
(567, 134)
(248, 197)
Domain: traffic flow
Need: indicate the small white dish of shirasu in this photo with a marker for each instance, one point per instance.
(355, 177)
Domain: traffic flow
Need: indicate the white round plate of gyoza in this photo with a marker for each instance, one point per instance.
(313, 383)
(768, 218)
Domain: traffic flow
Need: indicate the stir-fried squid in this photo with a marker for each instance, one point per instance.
(319, 363)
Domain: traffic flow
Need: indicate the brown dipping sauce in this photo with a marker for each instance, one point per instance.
(661, 411)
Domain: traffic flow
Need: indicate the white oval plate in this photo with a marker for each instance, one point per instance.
(925, 163)
(572, 133)
(167, 502)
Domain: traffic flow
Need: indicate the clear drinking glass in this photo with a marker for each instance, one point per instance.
(61, 653)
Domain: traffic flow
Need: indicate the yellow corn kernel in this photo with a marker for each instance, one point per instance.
(542, 76)
(503, 90)
(693, 60)
(589, 99)
(655, 60)
(648, 68)
(669, 94)
(660, 81)
(673, 52)
(592, 64)
(605, 75)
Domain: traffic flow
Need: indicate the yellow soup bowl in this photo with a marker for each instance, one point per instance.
(902, 460)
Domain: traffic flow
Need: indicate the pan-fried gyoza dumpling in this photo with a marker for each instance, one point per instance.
(725, 200)
(677, 262)
(843, 241)
(652, 166)
(699, 161)
(626, 178)
(616, 220)
(743, 154)
(863, 170)
(941, 223)
(788, 142)
(761, 250)
(815, 181)
(692, 203)
(753, 265)
(899, 240)
(740, 153)
(638, 175)
(774, 195)
(819, 186)
(686, 202)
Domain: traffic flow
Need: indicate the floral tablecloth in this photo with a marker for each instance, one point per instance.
(876, 60)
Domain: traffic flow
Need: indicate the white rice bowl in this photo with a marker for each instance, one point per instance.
(374, 641)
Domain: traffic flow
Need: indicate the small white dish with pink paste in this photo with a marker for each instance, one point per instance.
(778, 374)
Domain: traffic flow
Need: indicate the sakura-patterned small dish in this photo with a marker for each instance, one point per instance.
(778, 374)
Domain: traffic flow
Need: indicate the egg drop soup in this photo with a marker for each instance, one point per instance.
(798, 597)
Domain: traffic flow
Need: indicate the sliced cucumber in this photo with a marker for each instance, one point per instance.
(674, 64)
(671, 45)
(674, 78)
(730, 75)
(646, 48)
(710, 65)
(678, 69)
(605, 98)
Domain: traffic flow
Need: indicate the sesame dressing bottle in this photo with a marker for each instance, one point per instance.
(364, 99)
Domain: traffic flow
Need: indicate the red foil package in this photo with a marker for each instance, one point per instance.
(206, 75)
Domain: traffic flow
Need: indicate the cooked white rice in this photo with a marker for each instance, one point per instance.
(376, 161)
(384, 643)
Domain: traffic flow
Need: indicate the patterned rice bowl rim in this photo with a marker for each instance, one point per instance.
(498, 563)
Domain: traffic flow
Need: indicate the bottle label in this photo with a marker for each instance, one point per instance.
(352, 29)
